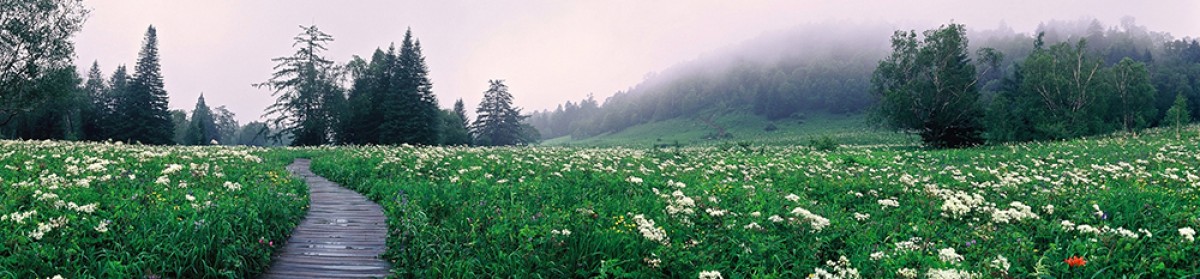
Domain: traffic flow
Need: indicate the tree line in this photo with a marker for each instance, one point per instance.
(818, 69)
(389, 101)
(931, 85)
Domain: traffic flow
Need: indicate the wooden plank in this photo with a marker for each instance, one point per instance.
(341, 236)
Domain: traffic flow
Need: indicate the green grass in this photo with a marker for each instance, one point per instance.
(87, 210)
(744, 127)
(779, 211)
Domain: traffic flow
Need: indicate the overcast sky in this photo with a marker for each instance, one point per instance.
(547, 51)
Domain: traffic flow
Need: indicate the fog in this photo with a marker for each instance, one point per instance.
(547, 51)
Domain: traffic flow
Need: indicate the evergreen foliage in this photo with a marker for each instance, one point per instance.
(497, 122)
(307, 94)
(143, 109)
(202, 129)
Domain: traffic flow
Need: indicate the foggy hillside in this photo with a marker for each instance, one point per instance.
(817, 68)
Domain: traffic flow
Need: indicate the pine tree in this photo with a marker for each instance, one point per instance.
(97, 105)
(461, 110)
(202, 130)
(115, 100)
(497, 122)
(146, 117)
(1177, 117)
(306, 91)
(410, 111)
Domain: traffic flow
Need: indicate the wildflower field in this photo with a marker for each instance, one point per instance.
(102, 210)
(1120, 206)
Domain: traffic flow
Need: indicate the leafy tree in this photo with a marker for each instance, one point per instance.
(1065, 92)
(929, 87)
(497, 122)
(1178, 116)
(254, 134)
(182, 125)
(144, 107)
(59, 116)
(34, 43)
(306, 91)
(227, 125)
(453, 130)
(1134, 103)
(203, 128)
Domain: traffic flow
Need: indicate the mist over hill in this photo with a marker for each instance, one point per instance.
(826, 68)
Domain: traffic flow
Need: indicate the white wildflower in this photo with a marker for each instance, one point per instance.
(1188, 234)
(949, 255)
(816, 221)
(711, 274)
(775, 219)
(634, 180)
(563, 232)
(906, 273)
(892, 202)
(934, 273)
(792, 197)
(1049, 208)
(1001, 263)
(172, 168)
(233, 186)
(861, 216)
(649, 231)
(102, 227)
(162, 180)
(752, 226)
(189, 197)
(878, 256)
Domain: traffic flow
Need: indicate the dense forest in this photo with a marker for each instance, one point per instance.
(829, 69)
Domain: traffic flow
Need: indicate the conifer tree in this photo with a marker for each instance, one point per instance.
(497, 122)
(410, 112)
(202, 129)
(306, 91)
(145, 116)
(97, 105)
(461, 110)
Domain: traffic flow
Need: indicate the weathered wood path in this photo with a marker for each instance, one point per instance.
(341, 237)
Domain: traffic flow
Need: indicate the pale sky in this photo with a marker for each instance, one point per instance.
(549, 52)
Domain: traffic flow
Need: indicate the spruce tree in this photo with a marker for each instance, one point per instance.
(96, 106)
(410, 112)
(497, 122)
(461, 110)
(115, 100)
(202, 129)
(306, 91)
(146, 117)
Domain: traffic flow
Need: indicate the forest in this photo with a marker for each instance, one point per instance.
(829, 69)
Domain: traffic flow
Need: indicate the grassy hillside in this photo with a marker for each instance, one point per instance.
(741, 126)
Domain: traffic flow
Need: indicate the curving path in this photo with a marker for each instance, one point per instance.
(341, 237)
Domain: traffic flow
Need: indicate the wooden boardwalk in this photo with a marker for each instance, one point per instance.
(341, 237)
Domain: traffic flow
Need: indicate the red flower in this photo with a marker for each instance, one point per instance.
(1075, 261)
